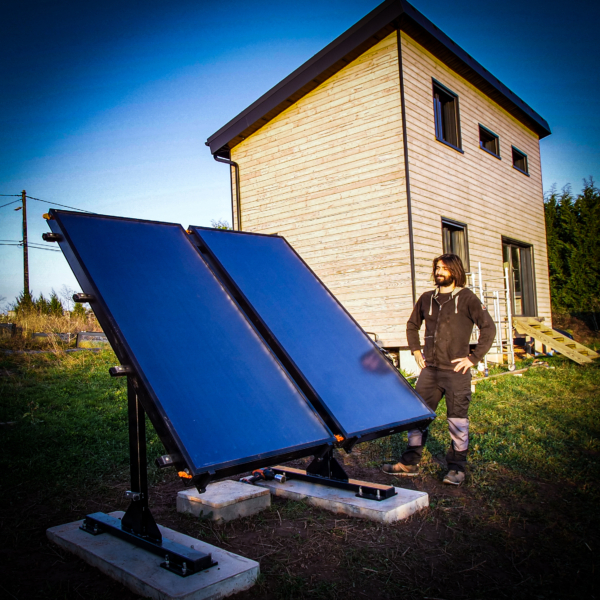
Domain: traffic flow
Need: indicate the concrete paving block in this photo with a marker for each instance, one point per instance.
(139, 570)
(399, 507)
(224, 501)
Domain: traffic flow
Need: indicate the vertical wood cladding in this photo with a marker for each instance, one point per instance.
(328, 174)
(475, 188)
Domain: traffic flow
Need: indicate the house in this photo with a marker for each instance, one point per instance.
(389, 147)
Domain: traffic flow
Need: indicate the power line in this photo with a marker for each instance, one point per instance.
(20, 245)
(45, 201)
(14, 201)
(63, 205)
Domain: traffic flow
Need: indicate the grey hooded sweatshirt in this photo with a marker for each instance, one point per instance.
(448, 327)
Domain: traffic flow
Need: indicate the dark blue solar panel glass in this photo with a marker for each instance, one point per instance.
(357, 385)
(224, 393)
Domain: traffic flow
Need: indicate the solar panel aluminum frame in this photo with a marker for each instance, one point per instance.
(350, 438)
(150, 402)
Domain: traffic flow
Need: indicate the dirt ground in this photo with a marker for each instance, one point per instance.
(463, 546)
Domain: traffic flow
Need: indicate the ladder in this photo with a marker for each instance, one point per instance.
(535, 328)
(497, 302)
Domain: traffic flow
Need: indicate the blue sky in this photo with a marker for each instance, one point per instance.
(106, 106)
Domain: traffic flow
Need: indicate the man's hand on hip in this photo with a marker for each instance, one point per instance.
(420, 360)
(464, 364)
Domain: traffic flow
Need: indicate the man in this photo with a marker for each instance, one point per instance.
(449, 312)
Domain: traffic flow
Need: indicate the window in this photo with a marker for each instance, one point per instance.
(445, 109)
(454, 240)
(489, 141)
(518, 259)
(520, 161)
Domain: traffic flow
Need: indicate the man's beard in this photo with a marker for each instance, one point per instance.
(441, 281)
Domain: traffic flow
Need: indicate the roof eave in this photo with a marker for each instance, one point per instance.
(378, 24)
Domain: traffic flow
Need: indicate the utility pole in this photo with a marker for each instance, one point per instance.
(25, 249)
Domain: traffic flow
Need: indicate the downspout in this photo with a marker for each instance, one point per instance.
(236, 168)
(411, 243)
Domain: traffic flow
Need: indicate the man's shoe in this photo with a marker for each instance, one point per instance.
(454, 477)
(401, 469)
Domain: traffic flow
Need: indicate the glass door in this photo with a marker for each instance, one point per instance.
(517, 258)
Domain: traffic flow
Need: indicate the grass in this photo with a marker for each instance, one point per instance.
(66, 422)
(524, 525)
(545, 424)
(31, 321)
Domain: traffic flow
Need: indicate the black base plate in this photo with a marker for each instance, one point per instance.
(177, 558)
(363, 489)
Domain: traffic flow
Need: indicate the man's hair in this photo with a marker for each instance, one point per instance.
(454, 265)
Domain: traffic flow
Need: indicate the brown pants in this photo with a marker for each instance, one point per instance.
(432, 385)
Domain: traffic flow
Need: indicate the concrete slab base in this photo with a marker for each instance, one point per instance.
(224, 501)
(399, 507)
(139, 570)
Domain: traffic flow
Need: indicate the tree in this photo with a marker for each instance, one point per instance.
(79, 311)
(220, 224)
(573, 235)
(66, 293)
(23, 303)
(55, 305)
(42, 305)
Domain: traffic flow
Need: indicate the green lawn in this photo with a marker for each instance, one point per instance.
(525, 519)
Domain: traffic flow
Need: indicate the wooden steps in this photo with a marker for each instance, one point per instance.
(553, 339)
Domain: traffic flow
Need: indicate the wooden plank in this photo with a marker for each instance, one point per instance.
(547, 340)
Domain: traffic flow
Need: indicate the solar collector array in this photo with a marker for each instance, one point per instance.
(243, 356)
(214, 384)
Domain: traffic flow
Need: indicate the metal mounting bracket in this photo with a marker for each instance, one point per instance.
(326, 470)
(137, 525)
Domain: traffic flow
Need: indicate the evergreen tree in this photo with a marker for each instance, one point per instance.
(79, 311)
(42, 305)
(55, 305)
(24, 303)
(573, 234)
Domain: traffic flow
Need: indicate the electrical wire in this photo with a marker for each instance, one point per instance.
(46, 201)
(63, 205)
(20, 242)
(14, 202)
(29, 246)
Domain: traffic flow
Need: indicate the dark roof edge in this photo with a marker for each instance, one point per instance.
(360, 37)
(473, 71)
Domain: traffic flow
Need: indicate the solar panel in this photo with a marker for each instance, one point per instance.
(214, 387)
(357, 390)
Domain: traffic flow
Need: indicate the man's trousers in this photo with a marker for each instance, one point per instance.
(432, 385)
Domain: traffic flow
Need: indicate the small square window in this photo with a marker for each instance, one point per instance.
(489, 141)
(520, 161)
(445, 108)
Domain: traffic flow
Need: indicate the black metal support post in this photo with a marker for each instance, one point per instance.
(137, 525)
(138, 519)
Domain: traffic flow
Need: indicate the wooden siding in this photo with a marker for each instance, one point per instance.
(328, 174)
(472, 187)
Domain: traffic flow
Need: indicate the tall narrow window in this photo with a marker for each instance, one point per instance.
(520, 161)
(519, 261)
(489, 141)
(445, 109)
(454, 240)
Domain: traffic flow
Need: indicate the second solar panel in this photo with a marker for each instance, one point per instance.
(357, 390)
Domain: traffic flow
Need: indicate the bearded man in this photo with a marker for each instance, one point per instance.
(449, 312)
